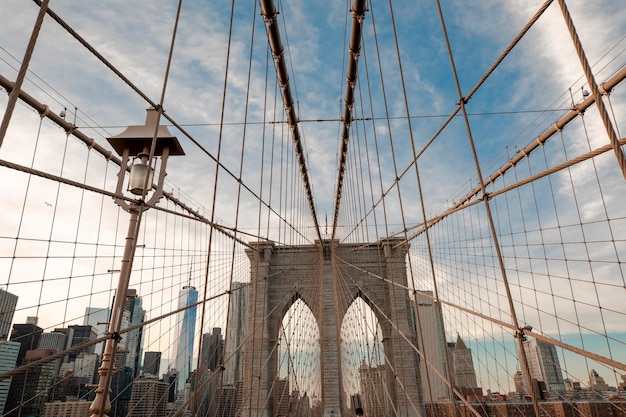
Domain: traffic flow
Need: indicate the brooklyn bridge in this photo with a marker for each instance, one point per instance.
(313, 209)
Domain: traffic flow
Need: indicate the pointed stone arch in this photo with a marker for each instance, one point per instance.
(282, 275)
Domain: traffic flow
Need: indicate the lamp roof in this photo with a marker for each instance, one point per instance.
(138, 138)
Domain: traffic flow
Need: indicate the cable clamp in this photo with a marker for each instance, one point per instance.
(519, 333)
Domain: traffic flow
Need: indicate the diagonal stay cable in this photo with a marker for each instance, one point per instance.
(457, 109)
(69, 127)
(44, 111)
(526, 331)
(538, 142)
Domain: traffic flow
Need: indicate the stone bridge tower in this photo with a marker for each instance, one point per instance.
(281, 275)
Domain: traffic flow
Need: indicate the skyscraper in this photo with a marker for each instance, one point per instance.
(8, 358)
(151, 363)
(27, 335)
(185, 333)
(281, 398)
(373, 394)
(98, 318)
(134, 338)
(8, 302)
(430, 336)
(54, 340)
(544, 365)
(148, 398)
(132, 341)
(236, 331)
(76, 335)
(211, 356)
(29, 391)
(463, 367)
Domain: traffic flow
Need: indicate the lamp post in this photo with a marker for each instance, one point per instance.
(138, 143)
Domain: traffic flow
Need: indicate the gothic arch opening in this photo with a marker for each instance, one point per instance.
(299, 355)
(363, 357)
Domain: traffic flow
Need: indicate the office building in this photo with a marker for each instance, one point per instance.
(463, 365)
(185, 333)
(151, 363)
(67, 409)
(85, 367)
(236, 331)
(98, 318)
(29, 391)
(281, 398)
(8, 302)
(54, 340)
(27, 335)
(76, 335)
(373, 393)
(148, 398)
(431, 336)
(544, 365)
(211, 353)
(121, 388)
(8, 358)
(134, 338)
(596, 382)
(131, 343)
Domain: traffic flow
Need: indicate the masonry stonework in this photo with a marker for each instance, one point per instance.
(281, 275)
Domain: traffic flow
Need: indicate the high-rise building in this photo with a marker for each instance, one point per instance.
(211, 354)
(134, 338)
(8, 302)
(85, 367)
(185, 332)
(8, 358)
(228, 401)
(543, 362)
(27, 335)
(148, 398)
(121, 387)
(596, 382)
(54, 340)
(67, 409)
(281, 398)
(132, 341)
(151, 363)
(518, 382)
(236, 331)
(463, 365)
(98, 318)
(430, 337)
(29, 391)
(78, 334)
(373, 393)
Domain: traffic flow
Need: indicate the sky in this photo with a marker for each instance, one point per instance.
(529, 91)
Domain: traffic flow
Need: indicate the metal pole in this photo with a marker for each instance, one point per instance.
(101, 405)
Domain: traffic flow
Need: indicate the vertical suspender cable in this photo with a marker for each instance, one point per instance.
(519, 333)
(358, 13)
(269, 12)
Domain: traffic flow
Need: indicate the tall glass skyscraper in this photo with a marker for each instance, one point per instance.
(8, 302)
(185, 333)
(544, 365)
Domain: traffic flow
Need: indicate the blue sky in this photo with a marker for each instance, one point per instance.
(135, 37)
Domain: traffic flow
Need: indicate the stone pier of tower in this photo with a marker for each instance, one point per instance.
(281, 275)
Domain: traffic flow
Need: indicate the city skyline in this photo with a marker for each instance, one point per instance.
(433, 189)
